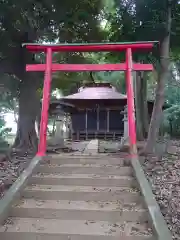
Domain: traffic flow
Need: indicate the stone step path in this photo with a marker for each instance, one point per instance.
(82, 197)
(79, 198)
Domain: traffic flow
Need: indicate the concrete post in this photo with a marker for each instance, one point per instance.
(125, 120)
(125, 137)
(66, 127)
(59, 134)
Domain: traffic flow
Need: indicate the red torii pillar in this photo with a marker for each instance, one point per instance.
(128, 66)
(45, 105)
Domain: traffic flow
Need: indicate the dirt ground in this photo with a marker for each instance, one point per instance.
(164, 176)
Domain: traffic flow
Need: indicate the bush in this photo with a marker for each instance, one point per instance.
(3, 133)
(171, 121)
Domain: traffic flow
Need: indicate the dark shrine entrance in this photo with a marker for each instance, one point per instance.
(95, 121)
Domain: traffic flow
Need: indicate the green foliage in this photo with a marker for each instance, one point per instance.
(116, 79)
(3, 133)
(50, 21)
(171, 120)
(172, 93)
(73, 80)
(78, 21)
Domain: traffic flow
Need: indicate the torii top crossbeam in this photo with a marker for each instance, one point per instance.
(50, 67)
(90, 47)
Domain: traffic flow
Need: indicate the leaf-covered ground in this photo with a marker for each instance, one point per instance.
(10, 169)
(164, 177)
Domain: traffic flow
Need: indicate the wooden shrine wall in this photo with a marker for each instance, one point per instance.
(94, 121)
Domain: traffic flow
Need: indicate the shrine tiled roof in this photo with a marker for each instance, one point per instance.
(97, 91)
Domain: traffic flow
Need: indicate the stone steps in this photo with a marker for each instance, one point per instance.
(93, 180)
(55, 229)
(86, 169)
(84, 193)
(81, 159)
(97, 199)
(79, 210)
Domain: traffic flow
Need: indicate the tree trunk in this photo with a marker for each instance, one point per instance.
(139, 123)
(26, 137)
(29, 102)
(159, 99)
(141, 106)
(144, 103)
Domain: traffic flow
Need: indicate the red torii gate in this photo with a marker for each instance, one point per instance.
(50, 67)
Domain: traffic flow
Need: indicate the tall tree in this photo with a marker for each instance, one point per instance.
(141, 107)
(162, 76)
(137, 20)
(32, 21)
